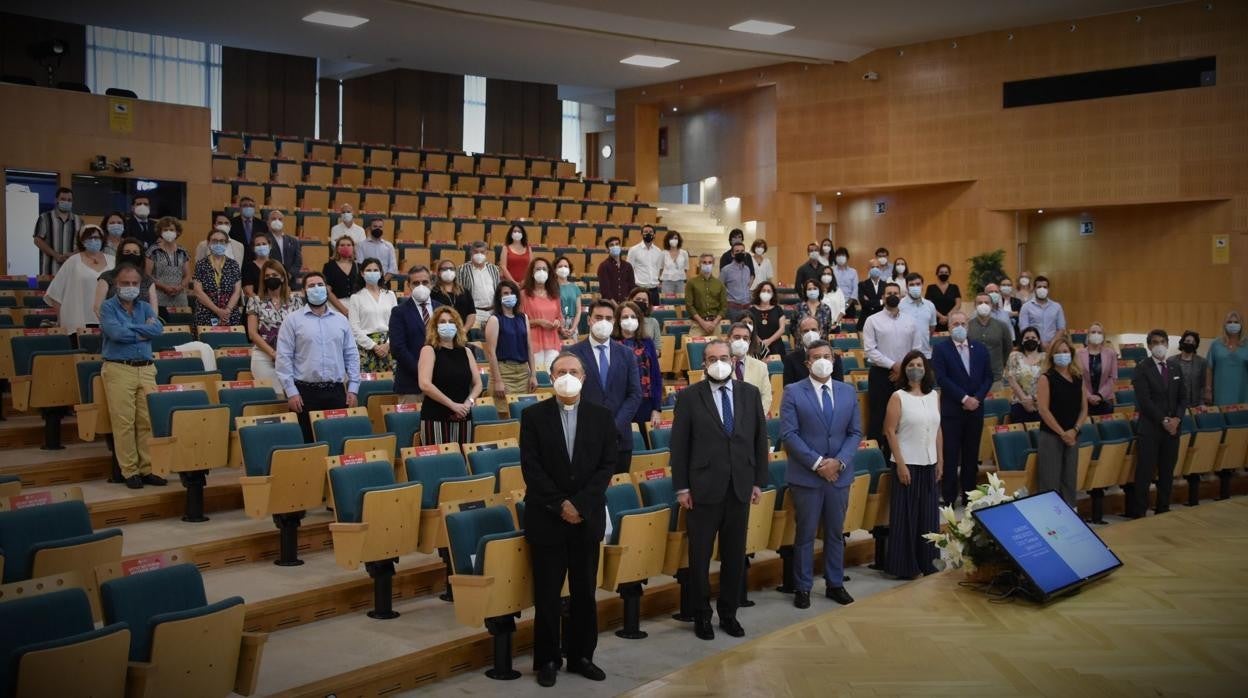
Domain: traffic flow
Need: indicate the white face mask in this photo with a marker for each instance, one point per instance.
(826, 279)
(673, 243)
(447, 275)
(629, 324)
(738, 347)
(142, 210)
(882, 260)
(983, 310)
(169, 235)
(1095, 338)
(809, 337)
(420, 293)
(827, 250)
(276, 225)
(821, 368)
(515, 237)
(765, 296)
(223, 228)
(347, 218)
(842, 259)
(601, 330)
(567, 385)
(541, 275)
(478, 258)
(1024, 282)
(562, 272)
(1159, 351)
(1042, 292)
(719, 371)
(707, 269)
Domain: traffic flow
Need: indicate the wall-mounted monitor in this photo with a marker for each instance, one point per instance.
(96, 195)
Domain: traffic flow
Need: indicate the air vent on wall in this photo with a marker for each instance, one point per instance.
(1142, 79)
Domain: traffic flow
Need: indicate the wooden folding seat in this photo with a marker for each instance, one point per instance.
(44, 378)
(408, 159)
(490, 208)
(548, 188)
(462, 163)
(463, 207)
(565, 170)
(257, 170)
(437, 162)
(437, 181)
(541, 168)
(635, 550)
(295, 150)
(573, 190)
(353, 154)
(285, 477)
(380, 156)
(231, 144)
(494, 185)
(411, 180)
(318, 174)
(470, 184)
(314, 198)
(596, 213)
(517, 209)
(261, 147)
(190, 436)
(405, 203)
(382, 178)
(323, 151)
(253, 191)
(625, 192)
(52, 647)
(224, 167)
(349, 431)
(521, 187)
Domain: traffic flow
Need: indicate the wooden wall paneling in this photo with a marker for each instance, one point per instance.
(267, 93)
(328, 106)
(234, 89)
(409, 89)
(550, 119)
(300, 96)
(523, 118)
(496, 115)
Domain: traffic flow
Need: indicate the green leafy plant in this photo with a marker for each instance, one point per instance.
(986, 268)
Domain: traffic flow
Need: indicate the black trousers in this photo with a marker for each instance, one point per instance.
(653, 295)
(577, 558)
(960, 432)
(1156, 453)
(319, 396)
(728, 520)
(879, 390)
(624, 461)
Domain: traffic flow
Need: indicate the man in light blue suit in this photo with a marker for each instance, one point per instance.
(821, 428)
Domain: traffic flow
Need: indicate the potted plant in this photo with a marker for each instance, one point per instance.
(986, 268)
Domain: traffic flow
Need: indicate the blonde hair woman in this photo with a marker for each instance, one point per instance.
(1063, 408)
(266, 311)
(448, 379)
(1227, 383)
(1098, 362)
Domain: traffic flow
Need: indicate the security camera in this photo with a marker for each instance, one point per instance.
(870, 75)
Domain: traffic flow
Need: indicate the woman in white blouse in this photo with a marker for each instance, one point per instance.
(368, 310)
(912, 427)
(763, 271)
(833, 297)
(674, 271)
(72, 291)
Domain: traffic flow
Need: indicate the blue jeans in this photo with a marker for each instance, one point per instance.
(826, 503)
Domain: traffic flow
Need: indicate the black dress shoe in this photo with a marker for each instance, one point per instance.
(1161, 510)
(154, 480)
(702, 628)
(731, 626)
(839, 595)
(587, 669)
(547, 673)
(134, 482)
(801, 599)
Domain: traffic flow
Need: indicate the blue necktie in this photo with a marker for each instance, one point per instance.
(725, 400)
(827, 405)
(602, 365)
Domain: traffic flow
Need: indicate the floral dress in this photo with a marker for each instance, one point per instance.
(167, 270)
(271, 314)
(218, 286)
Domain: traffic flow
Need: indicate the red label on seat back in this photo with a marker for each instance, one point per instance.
(334, 414)
(866, 443)
(173, 354)
(1235, 408)
(429, 450)
(240, 384)
(665, 424)
(1204, 409)
(1001, 427)
(654, 474)
(145, 564)
(89, 330)
(351, 459)
(174, 388)
(369, 376)
(217, 328)
(236, 351)
(407, 407)
(33, 332)
(33, 499)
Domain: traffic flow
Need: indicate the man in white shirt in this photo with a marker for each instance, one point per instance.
(647, 260)
(887, 337)
(998, 313)
(920, 310)
(346, 225)
(479, 278)
(1043, 314)
(377, 247)
(747, 368)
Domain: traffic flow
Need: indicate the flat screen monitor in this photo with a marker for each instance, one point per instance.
(1053, 547)
(97, 195)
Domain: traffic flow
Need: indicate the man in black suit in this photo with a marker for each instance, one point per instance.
(795, 361)
(810, 268)
(567, 455)
(139, 224)
(719, 465)
(1160, 404)
(246, 224)
(287, 248)
(870, 293)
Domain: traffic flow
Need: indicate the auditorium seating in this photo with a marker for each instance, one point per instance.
(51, 647)
(635, 551)
(443, 473)
(1015, 457)
(349, 431)
(179, 643)
(378, 520)
(190, 436)
(492, 458)
(44, 378)
(285, 477)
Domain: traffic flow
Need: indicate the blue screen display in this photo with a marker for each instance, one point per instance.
(1048, 540)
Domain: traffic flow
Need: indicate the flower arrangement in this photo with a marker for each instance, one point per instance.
(963, 544)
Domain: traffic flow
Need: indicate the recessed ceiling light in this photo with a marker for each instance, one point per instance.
(674, 109)
(335, 19)
(649, 61)
(1040, 210)
(758, 26)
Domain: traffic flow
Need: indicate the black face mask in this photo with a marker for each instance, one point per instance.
(376, 232)
(1030, 345)
(272, 283)
(740, 257)
(643, 307)
(892, 301)
(1187, 347)
(943, 277)
(134, 259)
(648, 237)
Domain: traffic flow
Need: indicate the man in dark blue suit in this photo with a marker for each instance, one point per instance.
(620, 389)
(821, 427)
(964, 373)
(408, 322)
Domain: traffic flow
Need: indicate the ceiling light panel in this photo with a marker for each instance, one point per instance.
(758, 26)
(335, 19)
(649, 61)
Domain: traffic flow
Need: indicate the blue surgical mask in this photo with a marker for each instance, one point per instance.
(510, 301)
(874, 273)
(218, 248)
(995, 297)
(1061, 359)
(316, 295)
(372, 277)
(93, 245)
(614, 250)
(128, 293)
(249, 211)
(262, 250)
(447, 330)
(915, 292)
(958, 334)
(64, 206)
(116, 229)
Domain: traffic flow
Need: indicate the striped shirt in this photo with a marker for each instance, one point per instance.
(60, 233)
